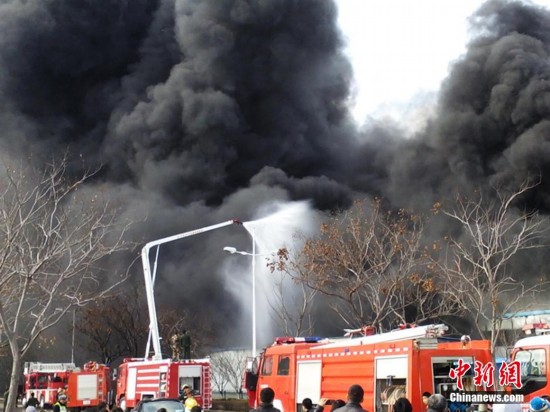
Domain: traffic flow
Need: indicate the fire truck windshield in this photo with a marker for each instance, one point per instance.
(532, 362)
(533, 369)
(38, 381)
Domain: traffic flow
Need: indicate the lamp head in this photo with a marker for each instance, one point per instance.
(230, 249)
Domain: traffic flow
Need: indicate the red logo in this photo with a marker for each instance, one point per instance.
(484, 374)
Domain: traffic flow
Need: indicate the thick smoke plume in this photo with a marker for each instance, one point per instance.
(491, 124)
(203, 111)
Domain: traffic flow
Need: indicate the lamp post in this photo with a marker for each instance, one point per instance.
(233, 250)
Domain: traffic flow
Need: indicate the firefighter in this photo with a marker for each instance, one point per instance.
(61, 404)
(186, 344)
(176, 345)
(182, 396)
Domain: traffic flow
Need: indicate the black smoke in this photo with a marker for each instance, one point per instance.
(202, 111)
(491, 124)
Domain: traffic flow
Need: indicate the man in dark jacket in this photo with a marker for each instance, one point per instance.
(355, 397)
(32, 401)
(266, 401)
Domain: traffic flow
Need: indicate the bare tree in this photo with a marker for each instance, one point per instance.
(478, 264)
(291, 306)
(119, 327)
(116, 327)
(228, 368)
(55, 241)
(372, 264)
(219, 377)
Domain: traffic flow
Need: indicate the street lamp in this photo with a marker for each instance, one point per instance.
(233, 250)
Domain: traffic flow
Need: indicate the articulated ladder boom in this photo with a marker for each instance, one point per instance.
(153, 325)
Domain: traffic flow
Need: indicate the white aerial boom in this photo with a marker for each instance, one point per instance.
(153, 325)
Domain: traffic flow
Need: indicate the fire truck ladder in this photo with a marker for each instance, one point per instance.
(149, 281)
(418, 332)
(31, 367)
(207, 398)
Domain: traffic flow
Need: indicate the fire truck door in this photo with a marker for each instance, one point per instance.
(86, 387)
(308, 380)
(391, 381)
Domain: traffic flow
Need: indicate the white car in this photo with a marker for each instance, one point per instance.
(153, 405)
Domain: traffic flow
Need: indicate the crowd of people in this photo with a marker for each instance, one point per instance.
(353, 404)
(432, 403)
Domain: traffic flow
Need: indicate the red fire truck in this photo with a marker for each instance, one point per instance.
(44, 380)
(150, 379)
(405, 362)
(89, 386)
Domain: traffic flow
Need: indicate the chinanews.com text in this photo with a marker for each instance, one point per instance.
(485, 397)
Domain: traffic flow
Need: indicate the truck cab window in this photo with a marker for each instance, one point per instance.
(267, 366)
(532, 369)
(531, 362)
(284, 365)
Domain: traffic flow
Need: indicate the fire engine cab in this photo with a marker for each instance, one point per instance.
(405, 362)
(533, 354)
(44, 380)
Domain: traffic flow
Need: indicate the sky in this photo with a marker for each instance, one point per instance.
(383, 36)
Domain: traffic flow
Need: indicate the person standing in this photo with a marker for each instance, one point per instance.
(355, 397)
(182, 396)
(425, 397)
(186, 344)
(176, 345)
(402, 405)
(307, 405)
(32, 401)
(190, 400)
(267, 395)
(61, 404)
